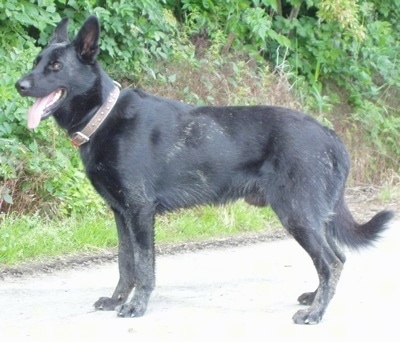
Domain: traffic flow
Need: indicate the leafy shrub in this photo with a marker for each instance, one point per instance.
(334, 52)
(145, 31)
(351, 45)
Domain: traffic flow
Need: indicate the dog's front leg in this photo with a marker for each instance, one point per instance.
(137, 264)
(126, 268)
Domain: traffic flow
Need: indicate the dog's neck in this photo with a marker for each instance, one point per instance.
(83, 136)
(75, 116)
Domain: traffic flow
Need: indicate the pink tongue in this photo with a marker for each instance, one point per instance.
(37, 110)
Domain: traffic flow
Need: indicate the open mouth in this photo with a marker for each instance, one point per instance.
(44, 107)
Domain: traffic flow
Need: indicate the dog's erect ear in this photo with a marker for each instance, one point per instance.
(60, 34)
(86, 41)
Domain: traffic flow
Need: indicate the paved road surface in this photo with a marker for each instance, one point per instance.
(237, 294)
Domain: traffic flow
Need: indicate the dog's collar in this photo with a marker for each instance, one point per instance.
(83, 136)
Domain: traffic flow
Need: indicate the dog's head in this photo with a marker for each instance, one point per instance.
(62, 71)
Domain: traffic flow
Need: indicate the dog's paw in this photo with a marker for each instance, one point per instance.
(307, 316)
(106, 304)
(306, 298)
(130, 310)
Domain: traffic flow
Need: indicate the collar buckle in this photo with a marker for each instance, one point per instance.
(78, 139)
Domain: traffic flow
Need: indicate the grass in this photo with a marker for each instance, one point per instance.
(31, 238)
(209, 222)
(28, 238)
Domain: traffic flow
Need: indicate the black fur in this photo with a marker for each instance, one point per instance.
(153, 155)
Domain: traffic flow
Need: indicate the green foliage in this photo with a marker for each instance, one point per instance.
(16, 49)
(365, 68)
(144, 31)
(345, 13)
(349, 44)
(248, 20)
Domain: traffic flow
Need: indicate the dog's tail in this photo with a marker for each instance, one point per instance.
(348, 232)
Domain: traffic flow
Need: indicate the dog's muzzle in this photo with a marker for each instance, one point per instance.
(23, 86)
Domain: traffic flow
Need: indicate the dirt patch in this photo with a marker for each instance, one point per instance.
(363, 202)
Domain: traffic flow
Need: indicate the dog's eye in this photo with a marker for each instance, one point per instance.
(56, 66)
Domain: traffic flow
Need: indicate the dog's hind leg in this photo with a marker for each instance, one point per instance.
(126, 268)
(328, 266)
(307, 298)
(303, 221)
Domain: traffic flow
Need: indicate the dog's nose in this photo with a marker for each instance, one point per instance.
(23, 86)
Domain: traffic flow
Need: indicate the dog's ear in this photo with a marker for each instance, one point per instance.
(86, 41)
(60, 34)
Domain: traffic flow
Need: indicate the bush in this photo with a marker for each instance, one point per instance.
(341, 54)
(337, 54)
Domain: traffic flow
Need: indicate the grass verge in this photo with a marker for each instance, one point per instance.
(31, 238)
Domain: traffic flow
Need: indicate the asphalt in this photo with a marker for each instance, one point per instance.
(245, 293)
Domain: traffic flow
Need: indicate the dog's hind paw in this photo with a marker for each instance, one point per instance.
(307, 316)
(106, 304)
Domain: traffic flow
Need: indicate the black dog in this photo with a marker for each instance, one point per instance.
(146, 155)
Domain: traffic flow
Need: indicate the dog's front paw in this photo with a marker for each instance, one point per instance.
(106, 304)
(131, 310)
(307, 316)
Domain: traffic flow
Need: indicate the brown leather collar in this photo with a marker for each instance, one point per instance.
(83, 136)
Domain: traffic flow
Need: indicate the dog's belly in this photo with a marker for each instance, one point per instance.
(198, 188)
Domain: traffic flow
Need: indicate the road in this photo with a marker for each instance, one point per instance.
(244, 293)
